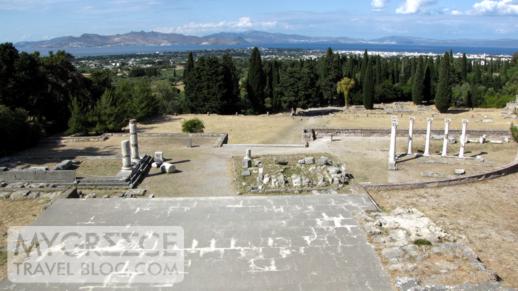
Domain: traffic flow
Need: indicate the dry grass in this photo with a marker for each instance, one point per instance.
(282, 128)
(484, 214)
(16, 213)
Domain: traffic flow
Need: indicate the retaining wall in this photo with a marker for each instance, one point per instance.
(496, 173)
(36, 176)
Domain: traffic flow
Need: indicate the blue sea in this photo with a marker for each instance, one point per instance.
(82, 52)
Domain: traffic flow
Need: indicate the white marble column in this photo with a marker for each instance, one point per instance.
(125, 152)
(392, 150)
(135, 156)
(463, 138)
(428, 136)
(411, 135)
(445, 140)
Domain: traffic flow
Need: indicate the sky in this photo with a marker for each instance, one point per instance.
(24, 20)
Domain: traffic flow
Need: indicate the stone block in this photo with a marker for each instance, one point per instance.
(19, 195)
(65, 165)
(296, 181)
(132, 193)
(167, 168)
(5, 195)
(324, 161)
(309, 160)
(159, 157)
(246, 173)
(460, 172)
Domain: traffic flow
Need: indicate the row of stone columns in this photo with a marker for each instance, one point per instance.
(393, 138)
(129, 149)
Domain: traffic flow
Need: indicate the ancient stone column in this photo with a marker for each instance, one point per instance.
(428, 136)
(411, 135)
(445, 140)
(463, 138)
(126, 159)
(135, 156)
(392, 149)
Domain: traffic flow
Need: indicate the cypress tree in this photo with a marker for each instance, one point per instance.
(368, 87)
(418, 84)
(255, 83)
(443, 95)
(189, 81)
(464, 68)
(427, 85)
(231, 84)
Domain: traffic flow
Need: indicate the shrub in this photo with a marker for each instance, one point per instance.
(514, 132)
(422, 242)
(193, 126)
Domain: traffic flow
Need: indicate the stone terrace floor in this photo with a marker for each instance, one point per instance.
(245, 243)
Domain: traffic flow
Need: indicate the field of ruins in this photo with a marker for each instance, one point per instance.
(441, 203)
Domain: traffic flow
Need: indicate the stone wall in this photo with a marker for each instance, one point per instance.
(39, 176)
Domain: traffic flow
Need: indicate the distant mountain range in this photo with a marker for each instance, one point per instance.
(240, 39)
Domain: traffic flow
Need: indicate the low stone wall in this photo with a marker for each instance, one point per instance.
(222, 138)
(496, 173)
(38, 176)
(314, 133)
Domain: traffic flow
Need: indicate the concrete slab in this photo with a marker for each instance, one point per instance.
(245, 243)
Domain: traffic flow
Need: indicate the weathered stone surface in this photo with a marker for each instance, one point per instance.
(246, 173)
(5, 195)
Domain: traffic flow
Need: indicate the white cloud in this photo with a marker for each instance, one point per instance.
(243, 23)
(502, 7)
(455, 12)
(412, 6)
(378, 4)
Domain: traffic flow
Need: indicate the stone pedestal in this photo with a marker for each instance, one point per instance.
(411, 135)
(428, 136)
(463, 138)
(126, 159)
(445, 139)
(248, 154)
(392, 150)
(135, 155)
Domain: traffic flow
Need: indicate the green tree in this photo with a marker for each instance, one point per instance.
(344, 87)
(255, 83)
(443, 95)
(418, 84)
(369, 87)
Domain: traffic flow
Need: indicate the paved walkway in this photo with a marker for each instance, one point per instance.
(245, 243)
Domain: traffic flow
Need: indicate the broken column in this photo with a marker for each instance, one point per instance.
(411, 135)
(392, 149)
(428, 136)
(135, 156)
(463, 138)
(445, 140)
(126, 159)
(247, 160)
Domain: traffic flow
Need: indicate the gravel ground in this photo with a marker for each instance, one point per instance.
(483, 215)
